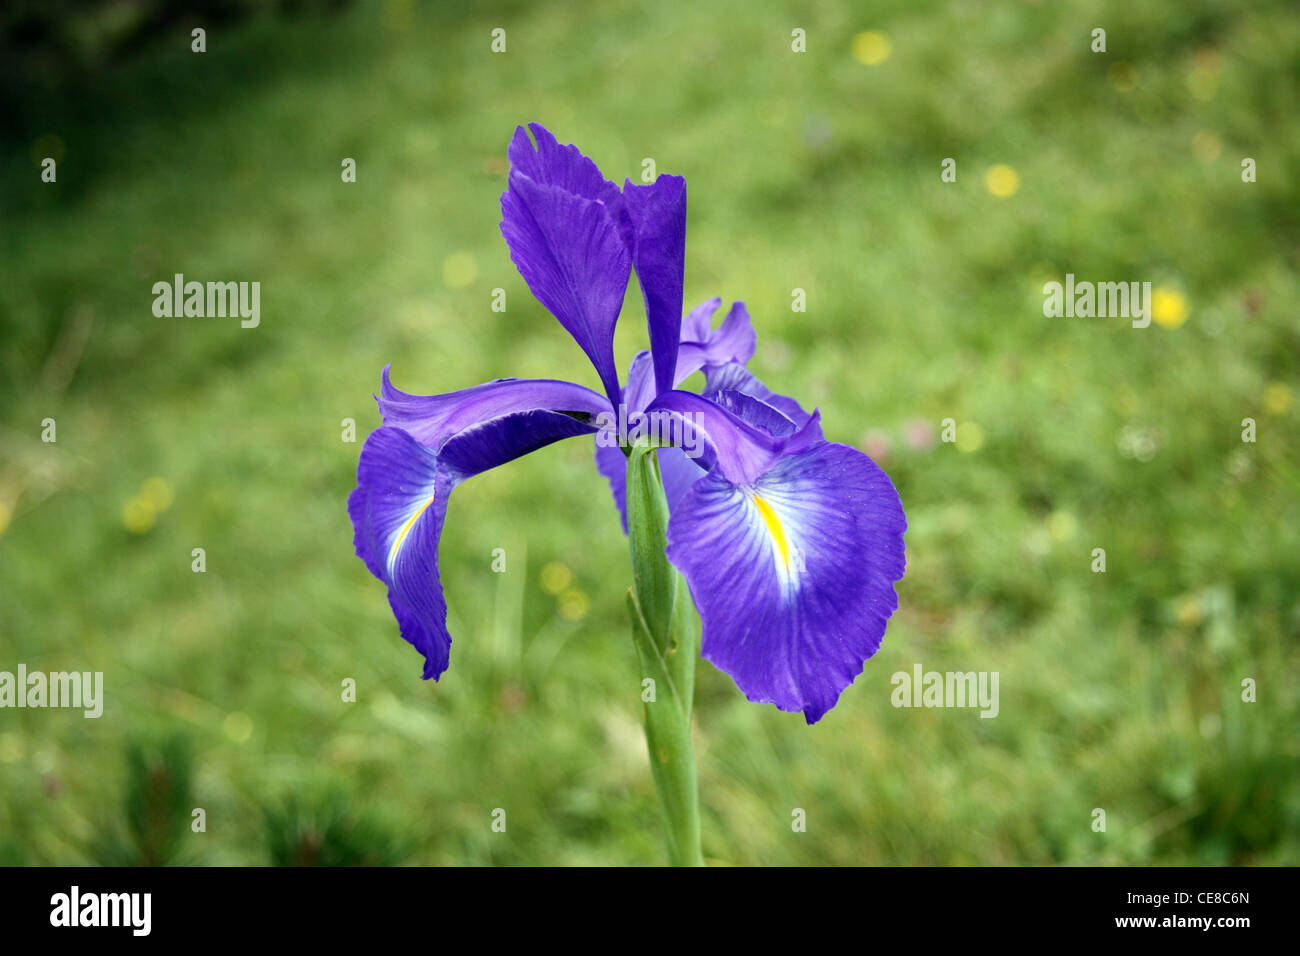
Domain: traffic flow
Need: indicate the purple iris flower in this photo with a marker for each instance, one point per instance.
(790, 544)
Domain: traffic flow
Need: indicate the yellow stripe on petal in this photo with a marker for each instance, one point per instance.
(406, 528)
(774, 529)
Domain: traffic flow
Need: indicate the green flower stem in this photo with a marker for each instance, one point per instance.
(666, 635)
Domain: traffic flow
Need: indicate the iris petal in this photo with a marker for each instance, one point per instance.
(568, 235)
(740, 433)
(434, 418)
(562, 166)
(697, 323)
(612, 465)
(640, 389)
(734, 377)
(657, 215)
(703, 347)
(741, 450)
(677, 469)
(480, 447)
(397, 512)
(793, 572)
(405, 478)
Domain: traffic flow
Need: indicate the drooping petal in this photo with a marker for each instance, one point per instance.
(679, 471)
(398, 507)
(792, 572)
(568, 236)
(612, 465)
(397, 512)
(732, 342)
(481, 447)
(434, 418)
(657, 215)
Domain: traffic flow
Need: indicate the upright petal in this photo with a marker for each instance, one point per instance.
(562, 166)
(703, 347)
(567, 233)
(697, 323)
(793, 572)
(640, 389)
(657, 214)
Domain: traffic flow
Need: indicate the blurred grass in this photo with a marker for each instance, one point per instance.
(813, 171)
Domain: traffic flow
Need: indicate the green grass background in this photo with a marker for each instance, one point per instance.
(1119, 691)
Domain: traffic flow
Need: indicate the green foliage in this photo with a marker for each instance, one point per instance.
(322, 830)
(156, 807)
(1119, 691)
